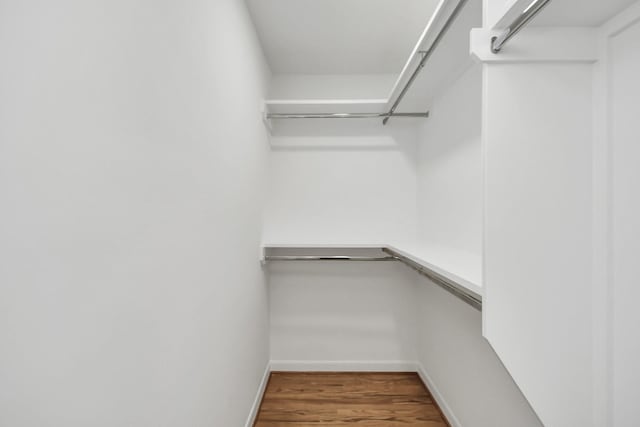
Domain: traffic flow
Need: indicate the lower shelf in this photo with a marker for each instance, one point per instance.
(428, 261)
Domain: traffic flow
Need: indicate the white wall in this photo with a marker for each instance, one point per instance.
(463, 369)
(331, 86)
(341, 182)
(131, 155)
(623, 67)
(538, 232)
(450, 167)
(344, 182)
(342, 315)
(334, 181)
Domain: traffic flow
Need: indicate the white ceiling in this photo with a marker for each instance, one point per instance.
(339, 36)
(579, 13)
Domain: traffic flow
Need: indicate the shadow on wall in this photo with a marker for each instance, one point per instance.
(461, 364)
(342, 312)
(345, 135)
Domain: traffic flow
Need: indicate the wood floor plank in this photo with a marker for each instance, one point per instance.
(359, 399)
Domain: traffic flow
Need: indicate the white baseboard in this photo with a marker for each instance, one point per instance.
(437, 396)
(258, 399)
(343, 366)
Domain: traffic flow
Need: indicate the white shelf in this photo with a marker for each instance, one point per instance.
(324, 246)
(463, 268)
(449, 61)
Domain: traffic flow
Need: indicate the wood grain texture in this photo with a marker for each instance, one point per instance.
(363, 399)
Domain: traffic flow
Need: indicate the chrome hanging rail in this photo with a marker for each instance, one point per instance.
(529, 13)
(326, 258)
(425, 57)
(450, 286)
(343, 115)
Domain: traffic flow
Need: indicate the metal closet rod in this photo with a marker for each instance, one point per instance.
(453, 288)
(392, 111)
(448, 285)
(343, 115)
(530, 12)
(326, 258)
(425, 57)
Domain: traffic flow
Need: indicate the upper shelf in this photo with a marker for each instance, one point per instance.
(300, 94)
(315, 106)
(315, 94)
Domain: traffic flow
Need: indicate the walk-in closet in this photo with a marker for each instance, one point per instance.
(298, 213)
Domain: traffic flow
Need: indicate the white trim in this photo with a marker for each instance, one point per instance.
(437, 396)
(344, 365)
(253, 413)
(603, 281)
(539, 45)
(484, 219)
(600, 239)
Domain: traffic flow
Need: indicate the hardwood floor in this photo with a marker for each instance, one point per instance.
(363, 399)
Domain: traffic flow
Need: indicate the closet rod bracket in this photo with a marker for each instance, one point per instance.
(425, 57)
